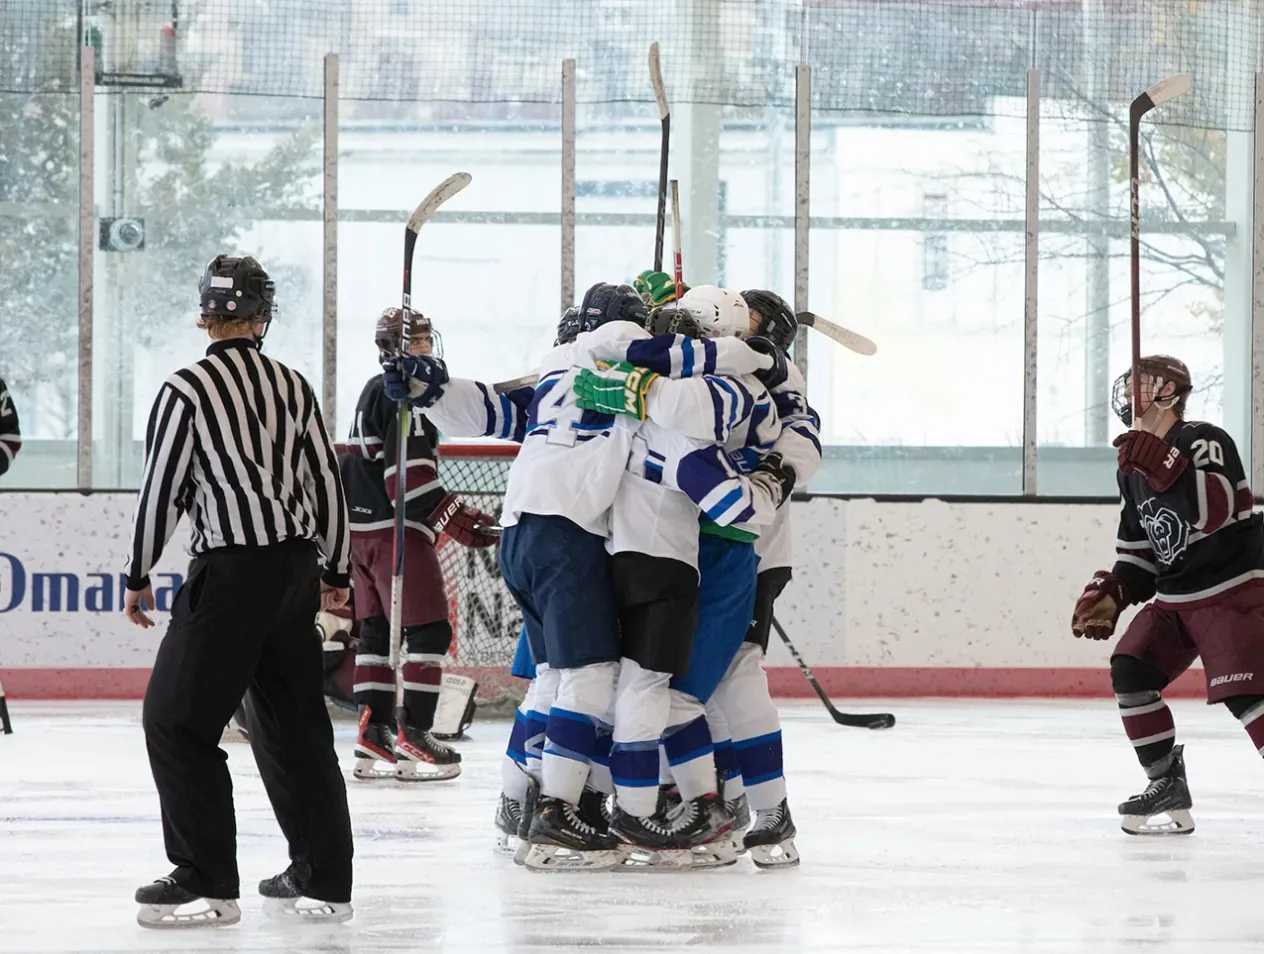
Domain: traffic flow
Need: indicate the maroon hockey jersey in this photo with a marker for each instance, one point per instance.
(368, 462)
(1198, 540)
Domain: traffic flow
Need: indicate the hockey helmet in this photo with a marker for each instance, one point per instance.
(390, 330)
(777, 321)
(569, 327)
(722, 312)
(1164, 369)
(604, 303)
(673, 319)
(237, 288)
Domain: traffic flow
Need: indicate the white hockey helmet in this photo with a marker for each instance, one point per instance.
(722, 312)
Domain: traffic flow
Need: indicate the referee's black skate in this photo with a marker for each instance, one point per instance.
(420, 757)
(164, 904)
(771, 840)
(285, 897)
(374, 748)
(1168, 794)
(566, 837)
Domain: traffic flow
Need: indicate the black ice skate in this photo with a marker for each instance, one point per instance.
(771, 841)
(508, 821)
(285, 897)
(524, 826)
(1166, 795)
(739, 808)
(704, 827)
(164, 904)
(374, 748)
(567, 837)
(649, 842)
(420, 757)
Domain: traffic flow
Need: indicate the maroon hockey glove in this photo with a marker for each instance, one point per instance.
(466, 525)
(1160, 463)
(1098, 608)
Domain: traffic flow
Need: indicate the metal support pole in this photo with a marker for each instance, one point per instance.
(329, 211)
(87, 248)
(1031, 300)
(568, 184)
(802, 202)
(1257, 294)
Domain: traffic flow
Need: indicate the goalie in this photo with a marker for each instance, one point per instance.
(407, 749)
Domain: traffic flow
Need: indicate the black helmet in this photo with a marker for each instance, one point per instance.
(778, 323)
(236, 288)
(390, 331)
(569, 327)
(604, 303)
(1166, 370)
(671, 319)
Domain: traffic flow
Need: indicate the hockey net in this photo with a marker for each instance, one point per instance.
(485, 619)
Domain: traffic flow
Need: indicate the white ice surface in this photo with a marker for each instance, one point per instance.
(967, 827)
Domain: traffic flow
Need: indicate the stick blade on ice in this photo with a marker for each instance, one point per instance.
(849, 339)
(656, 80)
(438, 195)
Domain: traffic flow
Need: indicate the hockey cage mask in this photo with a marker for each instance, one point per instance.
(390, 329)
(1164, 370)
(777, 321)
(238, 288)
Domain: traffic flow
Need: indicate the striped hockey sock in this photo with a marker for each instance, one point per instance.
(423, 673)
(375, 686)
(1148, 723)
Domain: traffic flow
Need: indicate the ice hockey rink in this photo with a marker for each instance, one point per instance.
(969, 827)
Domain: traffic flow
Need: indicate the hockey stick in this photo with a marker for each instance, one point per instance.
(664, 114)
(677, 270)
(441, 193)
(4, 714)
(845, 337)
(1156, 95)
(526, 381)
(877, 720)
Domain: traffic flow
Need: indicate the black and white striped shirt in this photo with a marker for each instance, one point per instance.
(237, 442)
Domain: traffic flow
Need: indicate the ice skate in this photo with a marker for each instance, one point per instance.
(567, 837)
(420, 757)
(704, 827)
(1166, 795)
(374, 749)
(284, 898)
(508, 821)
(649, 842)
(771, 841)
(524, 824)
(739, 808)
(164, 904)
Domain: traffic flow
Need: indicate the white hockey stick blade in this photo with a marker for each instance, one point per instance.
(504, 387)
(1169, 88)
(438, 195)
(845, 337)
(656, 79)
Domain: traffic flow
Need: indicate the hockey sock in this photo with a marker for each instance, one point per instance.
(755, 726)
(642, 704)
(692, 758)
(599, 777)
(540, 699)
(516, 750)
(422, 676)
(1146, 717)
(513, 779)
(375, 686)
(725, 758)
(583, 696)
(1249, 710)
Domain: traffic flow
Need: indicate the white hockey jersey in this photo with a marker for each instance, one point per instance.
(800, 446)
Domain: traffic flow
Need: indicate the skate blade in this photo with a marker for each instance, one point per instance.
(783, 855)
(307, 910)
(558, 858)
(205, 912)
(367, 770)
(640, 858)
(521, 852)
(507, 844)
(1180, 822)
(717, 854)
(411, 771)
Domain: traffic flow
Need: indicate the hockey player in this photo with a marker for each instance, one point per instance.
(370, 473)
(1189, 539)
(10, 433)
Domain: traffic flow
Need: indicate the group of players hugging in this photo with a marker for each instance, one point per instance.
(645, 538)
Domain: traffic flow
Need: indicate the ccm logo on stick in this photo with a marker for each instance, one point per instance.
(1236, 677)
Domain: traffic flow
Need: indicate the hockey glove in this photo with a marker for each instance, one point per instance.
(467, 525)
(621, 389)
(657, 288)
(1159, 462)
(1098, 608)
(776, 375)
(776, 477)
(417, 379)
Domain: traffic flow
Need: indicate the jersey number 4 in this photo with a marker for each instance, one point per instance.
(554, 409)
(1207, 451)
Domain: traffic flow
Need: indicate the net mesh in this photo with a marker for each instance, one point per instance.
(923, 58)
(485, 619)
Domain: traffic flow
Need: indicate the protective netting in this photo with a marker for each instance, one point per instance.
(922, 58)
(485, 619)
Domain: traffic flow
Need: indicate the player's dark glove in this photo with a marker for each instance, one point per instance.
(775, 476)
(1159, 462)
(777, 374)
(417, 379)
(467, 525)
(1098, 608)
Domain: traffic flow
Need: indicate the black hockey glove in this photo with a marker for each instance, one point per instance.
(776, 478)
(777, 374)
(418, 379)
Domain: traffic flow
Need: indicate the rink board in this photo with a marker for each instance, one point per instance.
(889, 598)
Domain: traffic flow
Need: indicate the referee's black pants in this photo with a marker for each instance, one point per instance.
(245, 621)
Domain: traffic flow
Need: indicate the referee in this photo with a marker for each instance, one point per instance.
(236, 441)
